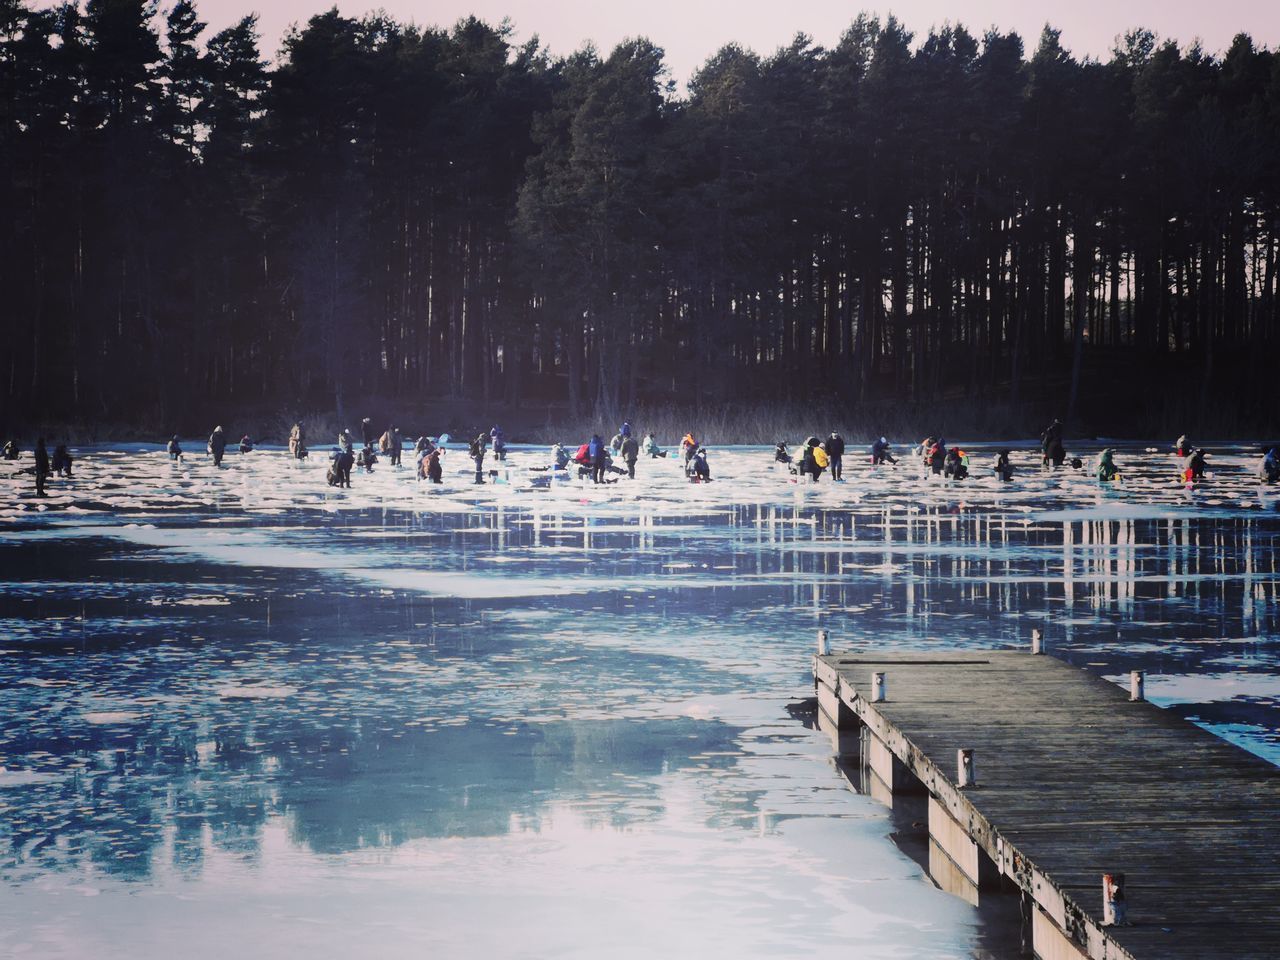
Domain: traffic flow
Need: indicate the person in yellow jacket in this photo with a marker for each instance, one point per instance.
(814, 459)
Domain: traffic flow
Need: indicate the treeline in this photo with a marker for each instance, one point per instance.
(417, 214)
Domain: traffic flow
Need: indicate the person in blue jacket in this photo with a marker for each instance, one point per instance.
(596, 458)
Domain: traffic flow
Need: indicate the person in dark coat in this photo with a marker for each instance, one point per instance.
(1182, 448)
(499, 442)
(476, 452)
(62, 461)
(340, 470)
(1193, 466)
(835, 455)
(246, 445)
(596, 457)
(880, 453)
(780, 454)
(953, 468)
(11, 450)
(174, 449)
(1004, 469)
(366, 428)
(936, 456)
(42, 467)
(367, 458)
(1269, 468)
(1051, 445)
(699, 471)
(630, 452)
(217, 445)
(429, 466)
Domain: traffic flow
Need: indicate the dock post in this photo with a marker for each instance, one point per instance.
(824, 647)
(878, 687)
(1037, 641)
(1115, 909)
(966, 772)
(1137, 685)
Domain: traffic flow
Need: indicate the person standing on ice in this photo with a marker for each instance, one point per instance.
(630, 453)
(835, 454)
(476, 452)
(499, 443)
(596, 458)
(366, 430)
(1269, 468)
(397, 446)
(936, 456)
(297, 442)
(42, 467)
(175, 451)
(1051, 445)
(217, 445)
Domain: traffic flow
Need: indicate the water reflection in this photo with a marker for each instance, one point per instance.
(170, 692)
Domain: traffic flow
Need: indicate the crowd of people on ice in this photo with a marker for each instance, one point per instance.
(607, 462)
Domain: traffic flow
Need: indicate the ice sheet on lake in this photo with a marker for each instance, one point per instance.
(243, 694)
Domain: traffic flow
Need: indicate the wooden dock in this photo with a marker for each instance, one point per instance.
(1073, 780)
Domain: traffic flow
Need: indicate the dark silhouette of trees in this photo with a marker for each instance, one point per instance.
(404, 213)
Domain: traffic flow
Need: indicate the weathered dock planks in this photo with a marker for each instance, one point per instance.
(1073, 781)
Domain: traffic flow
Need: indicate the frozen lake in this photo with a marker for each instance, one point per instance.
(246, 713)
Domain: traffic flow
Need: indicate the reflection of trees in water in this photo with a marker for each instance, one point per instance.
(340, 791)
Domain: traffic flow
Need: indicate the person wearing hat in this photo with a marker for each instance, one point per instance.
(880, 453)
(175, 450)
(835, 455)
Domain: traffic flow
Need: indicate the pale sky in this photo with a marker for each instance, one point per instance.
(691, 30)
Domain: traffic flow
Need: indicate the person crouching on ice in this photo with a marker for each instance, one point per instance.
(699, 471)
(1107, 469)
